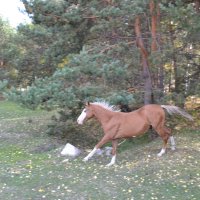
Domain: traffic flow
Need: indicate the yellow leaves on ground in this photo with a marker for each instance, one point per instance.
(64, 62)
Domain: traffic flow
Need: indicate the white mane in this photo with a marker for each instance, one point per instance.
(107, 106)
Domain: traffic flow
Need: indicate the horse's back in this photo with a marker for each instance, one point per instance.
(138, 121)
(150, 113)
(146, 109)
(154, 113)
(151, 108)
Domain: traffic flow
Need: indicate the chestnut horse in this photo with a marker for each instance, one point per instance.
(118, 125)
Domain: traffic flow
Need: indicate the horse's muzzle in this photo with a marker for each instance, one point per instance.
(80, 122)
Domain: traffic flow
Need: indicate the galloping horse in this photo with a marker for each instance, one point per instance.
(118, 125)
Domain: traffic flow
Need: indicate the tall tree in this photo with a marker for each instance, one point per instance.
(148, 91)
(183, 27)
(9, 51)
(118, 38)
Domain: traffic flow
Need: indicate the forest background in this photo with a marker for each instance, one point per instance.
(127, 52)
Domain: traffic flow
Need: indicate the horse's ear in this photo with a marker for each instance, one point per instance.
(87, 103)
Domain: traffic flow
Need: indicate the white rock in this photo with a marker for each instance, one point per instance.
(99, 152)
(108, 151)
(70, 150)
(66, 160)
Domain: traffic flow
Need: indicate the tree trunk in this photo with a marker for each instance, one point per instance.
(153, 12)
(155, 46)
(148, 94)
(178, 79)
(197, 6)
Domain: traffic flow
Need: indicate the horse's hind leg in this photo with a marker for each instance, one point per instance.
(165, 135)
(114, 149)
(163, 150)
(171, 138)
(173, 144)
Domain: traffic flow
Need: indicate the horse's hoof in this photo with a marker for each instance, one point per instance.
(85, 159)
(159, 154)
(173, 148)
(109, 164)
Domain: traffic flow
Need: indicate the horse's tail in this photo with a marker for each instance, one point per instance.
(176, 110)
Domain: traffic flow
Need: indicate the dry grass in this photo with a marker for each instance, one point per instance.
(28, 171)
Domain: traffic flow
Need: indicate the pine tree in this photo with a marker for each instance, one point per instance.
(124, 51)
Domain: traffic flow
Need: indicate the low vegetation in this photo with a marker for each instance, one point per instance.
(31, 166)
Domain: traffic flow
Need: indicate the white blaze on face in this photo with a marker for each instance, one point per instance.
(81, 117)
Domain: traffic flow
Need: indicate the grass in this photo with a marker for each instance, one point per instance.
(28, 171)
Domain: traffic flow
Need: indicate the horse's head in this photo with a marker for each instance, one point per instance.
(86, 114)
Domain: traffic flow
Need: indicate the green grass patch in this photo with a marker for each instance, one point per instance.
(29, 169)
(10, 110)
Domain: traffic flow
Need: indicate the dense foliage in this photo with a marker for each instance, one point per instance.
(128, 52)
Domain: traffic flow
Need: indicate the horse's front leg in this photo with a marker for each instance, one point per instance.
(114, 149)
(104, 140)
(90, 154)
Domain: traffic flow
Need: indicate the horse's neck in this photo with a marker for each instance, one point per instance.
(102, 114)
